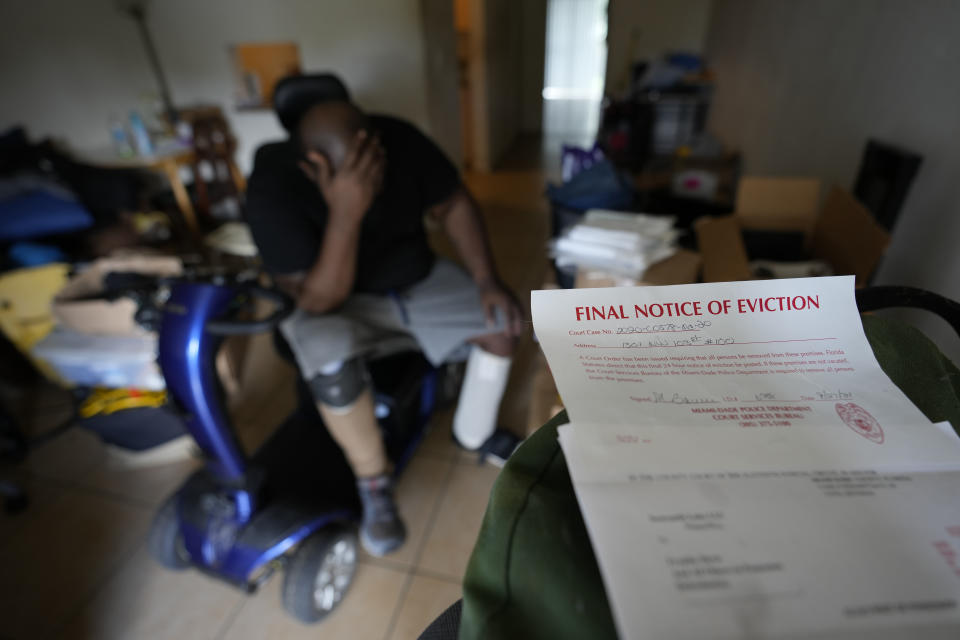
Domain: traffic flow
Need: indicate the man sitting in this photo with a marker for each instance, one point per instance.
(338, 216)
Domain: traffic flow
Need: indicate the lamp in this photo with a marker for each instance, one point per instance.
(137, 9)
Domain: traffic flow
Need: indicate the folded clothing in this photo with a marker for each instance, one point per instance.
(39, 212)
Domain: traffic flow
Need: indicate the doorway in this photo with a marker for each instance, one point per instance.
(574, 69)
(462, 23)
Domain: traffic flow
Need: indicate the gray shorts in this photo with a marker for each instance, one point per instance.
(438, 315)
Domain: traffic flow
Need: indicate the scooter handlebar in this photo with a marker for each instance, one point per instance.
(285, 306)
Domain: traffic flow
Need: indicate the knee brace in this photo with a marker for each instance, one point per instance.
(338, 386)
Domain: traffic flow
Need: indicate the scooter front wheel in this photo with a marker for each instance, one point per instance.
(165, 540)
(319, 574)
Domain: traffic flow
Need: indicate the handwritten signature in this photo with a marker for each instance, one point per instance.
(658, 397)
(677, 398)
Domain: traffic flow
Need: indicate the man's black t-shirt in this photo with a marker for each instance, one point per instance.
(287, 214)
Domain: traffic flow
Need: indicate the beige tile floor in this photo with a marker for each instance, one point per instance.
(75, 564)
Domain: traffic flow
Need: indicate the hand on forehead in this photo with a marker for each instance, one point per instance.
(330, 129)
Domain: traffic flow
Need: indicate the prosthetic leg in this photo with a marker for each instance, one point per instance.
(475, 421)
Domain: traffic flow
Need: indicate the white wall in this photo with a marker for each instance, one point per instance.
(802, 85)
(68, 65)
(442, 76)
(645, 29)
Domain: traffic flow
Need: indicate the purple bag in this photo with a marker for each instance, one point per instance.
(573, 160)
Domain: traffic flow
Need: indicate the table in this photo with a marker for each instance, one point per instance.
(167, 160)
(658, 173)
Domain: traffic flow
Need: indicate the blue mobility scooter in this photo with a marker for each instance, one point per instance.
(291, 505)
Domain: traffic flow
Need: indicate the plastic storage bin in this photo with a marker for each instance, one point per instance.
(102, 361)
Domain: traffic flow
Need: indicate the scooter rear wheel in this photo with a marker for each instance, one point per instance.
(319, 574)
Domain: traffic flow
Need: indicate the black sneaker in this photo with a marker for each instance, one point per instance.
(496, 449)
(381, 530)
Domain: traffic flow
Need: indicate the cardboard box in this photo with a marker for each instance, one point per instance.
(848, 237)
(842, 232)
(73, 309)
(683, 267)
(777, 204)
(99, 317)
(720, 241)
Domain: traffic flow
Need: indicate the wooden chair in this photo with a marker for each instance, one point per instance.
(217, 178)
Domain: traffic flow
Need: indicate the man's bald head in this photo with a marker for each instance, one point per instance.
(329, 128)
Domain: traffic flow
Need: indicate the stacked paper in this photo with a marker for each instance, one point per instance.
(744, 467)
(624, 244)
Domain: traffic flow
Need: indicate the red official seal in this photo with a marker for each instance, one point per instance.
(858, 419)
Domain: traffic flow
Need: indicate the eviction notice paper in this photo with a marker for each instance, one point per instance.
(745, 468)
